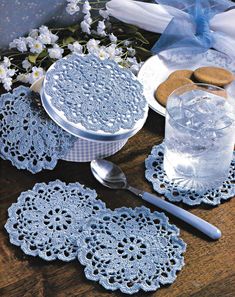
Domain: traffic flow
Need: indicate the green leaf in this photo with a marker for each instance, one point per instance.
(68, 40)
(141, 38)
(73, 28)
(42, 54)
(33, 58)
(124, 29)
(143, 52)
(131, 29)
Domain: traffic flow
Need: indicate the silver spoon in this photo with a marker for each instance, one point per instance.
(111, 176)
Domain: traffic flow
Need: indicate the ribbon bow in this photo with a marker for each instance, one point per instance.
(193, 26)
(191, 32)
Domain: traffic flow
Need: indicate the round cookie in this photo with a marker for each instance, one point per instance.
(187, 73)
(213, 75)
(168, 86)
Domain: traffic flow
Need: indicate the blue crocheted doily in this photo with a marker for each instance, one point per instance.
(46, 220)
(28, 137)
(161, 184)
(97, 94)
(130, 249)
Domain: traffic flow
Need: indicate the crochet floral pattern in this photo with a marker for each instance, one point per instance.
(161, 184)
(28, 137)
(97, 94)
(46, 220)
(130, 249)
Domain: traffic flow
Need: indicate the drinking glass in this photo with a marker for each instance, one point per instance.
(199, 136)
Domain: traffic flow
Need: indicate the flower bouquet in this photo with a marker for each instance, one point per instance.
(28, 57)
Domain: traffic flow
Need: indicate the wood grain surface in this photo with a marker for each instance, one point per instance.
(210, 266)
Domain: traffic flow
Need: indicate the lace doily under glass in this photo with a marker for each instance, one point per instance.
(131, 249)
(95, 93)
(28, 137)
(161, 184)
(46, 220)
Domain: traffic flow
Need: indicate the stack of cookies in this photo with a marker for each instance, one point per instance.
(209, 75)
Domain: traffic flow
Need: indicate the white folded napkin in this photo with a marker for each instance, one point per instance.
(155, 18)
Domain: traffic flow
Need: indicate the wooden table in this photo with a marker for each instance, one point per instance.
(210, 266)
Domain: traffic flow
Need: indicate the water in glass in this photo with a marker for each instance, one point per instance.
(199, 137)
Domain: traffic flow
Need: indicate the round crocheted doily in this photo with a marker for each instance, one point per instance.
(97, 94)
(46, 220)
(161, 184)
(28, 137)
(130, 249)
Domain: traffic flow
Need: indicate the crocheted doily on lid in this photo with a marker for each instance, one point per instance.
(95, 95)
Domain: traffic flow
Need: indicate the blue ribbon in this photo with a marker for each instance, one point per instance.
(191, 33)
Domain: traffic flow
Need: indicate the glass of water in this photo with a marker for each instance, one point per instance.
(199, 136)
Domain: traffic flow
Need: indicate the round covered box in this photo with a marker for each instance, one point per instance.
(97, 101)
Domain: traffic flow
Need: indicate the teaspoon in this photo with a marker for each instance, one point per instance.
(111, 176)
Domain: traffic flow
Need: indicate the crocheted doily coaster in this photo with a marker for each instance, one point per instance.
(97, 94)
(161, 184)
(130, 249)
(28, 137)
(46, 220)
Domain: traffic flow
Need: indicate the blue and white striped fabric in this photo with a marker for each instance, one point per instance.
(86, 151)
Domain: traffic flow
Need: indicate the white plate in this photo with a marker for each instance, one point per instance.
(155, 70)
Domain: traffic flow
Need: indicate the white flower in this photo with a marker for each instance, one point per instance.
(86, 7)
(72, 8)
(101, 28)
(30, 40)
(76, 47)
(112, 38)
(23, 77)
(35, 45)
(101, 25)
(119, 50)
(135, 69)
(88, 19)
(134, 65)
(46, 36)
(37, 72)
(7, 83)
(131, 51)
(92, 45)
(102, 53)
(85, 27)
(111, 50)
(26, 64)
(3, 72)
(127, 42)
(54, 38)
(44, 30)
(117, 59)
(113, 53)
(11, 72)
(6, 62)
(33, 33)
(55, 52)
(104, 13)
(6, 73)
(20, 44)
